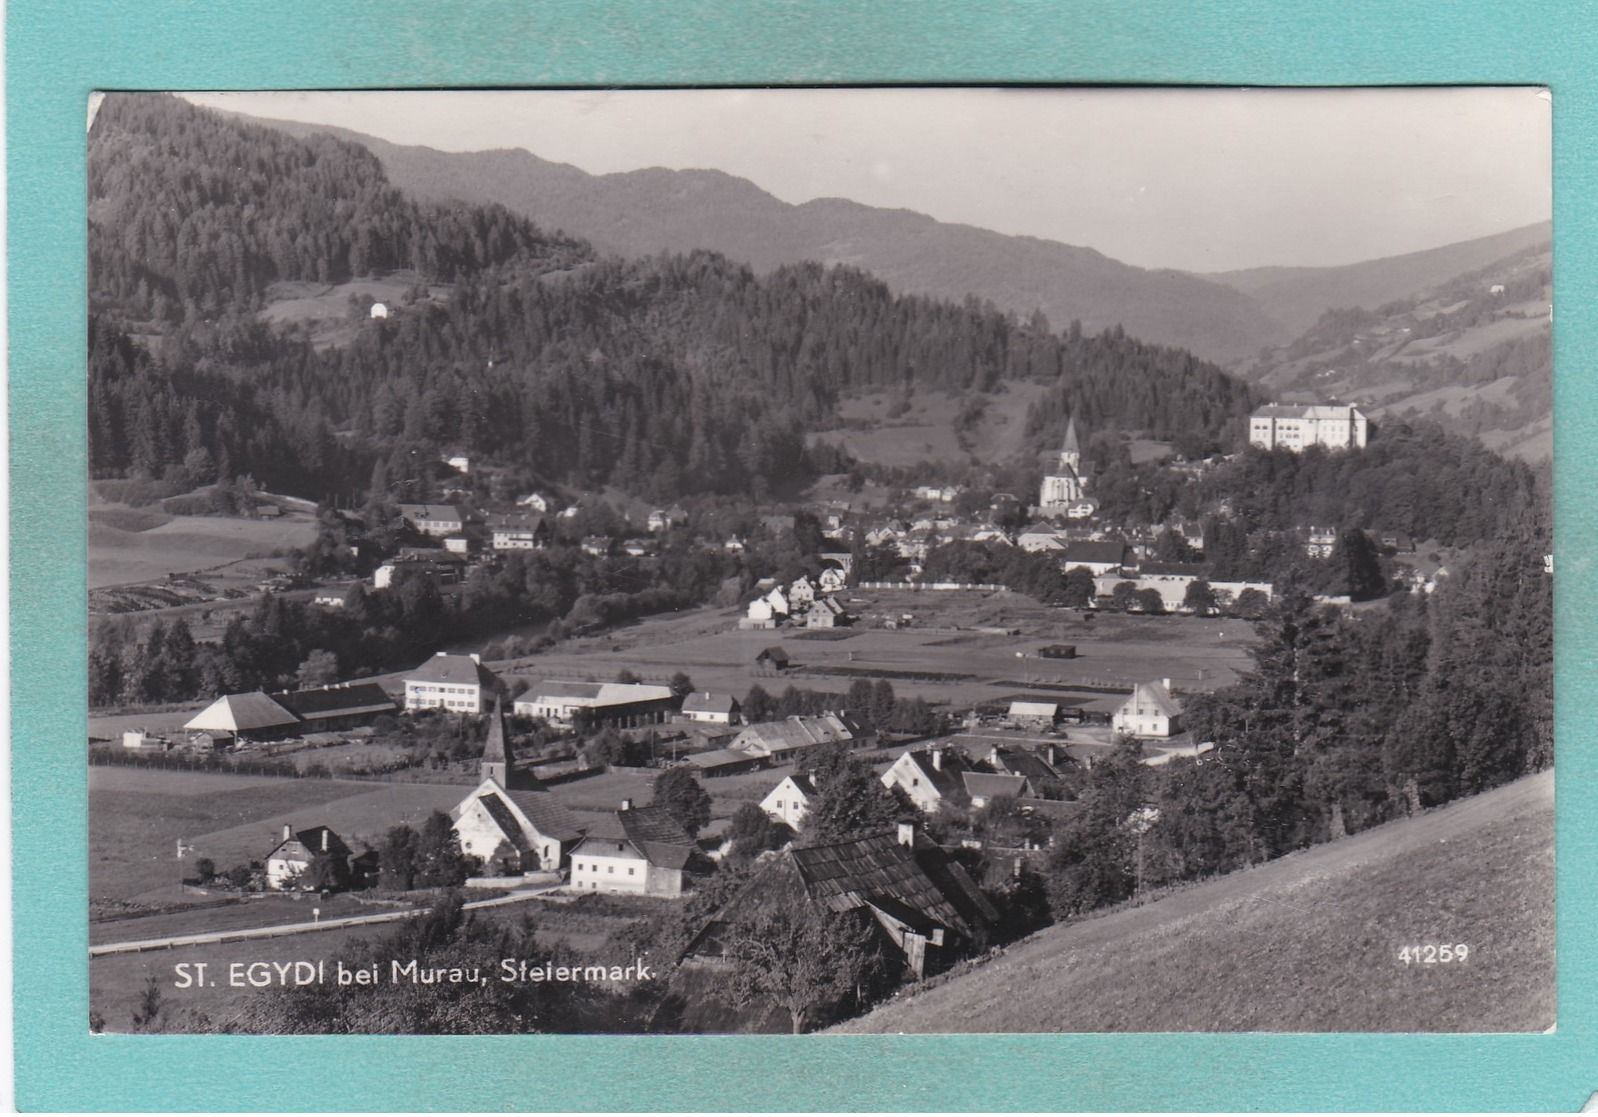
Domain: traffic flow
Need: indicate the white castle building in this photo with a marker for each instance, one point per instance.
(1294, 426)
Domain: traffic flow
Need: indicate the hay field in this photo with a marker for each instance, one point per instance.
(132, 553)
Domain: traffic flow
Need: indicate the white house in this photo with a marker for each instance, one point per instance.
(1149, 712)
(801, 592)
(294, 853)
(451, 682)
(790, 800)
(644, 852)
(619, 704)
(379, 310)
(930, 777)
(713, 709)
(435, 519)
(521, 532)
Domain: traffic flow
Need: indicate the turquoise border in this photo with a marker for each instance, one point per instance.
(59, 52)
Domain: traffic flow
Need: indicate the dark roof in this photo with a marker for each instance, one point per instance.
(988, 785)
(658, 836)
(947, 779)
(704, 702)
(776, 654)
(845, 875)
(337, 701)
(547, 813)
(311, 839)
(1095, 550)
(1033, 767)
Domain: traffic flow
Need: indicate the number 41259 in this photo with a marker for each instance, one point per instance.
(1430, 954)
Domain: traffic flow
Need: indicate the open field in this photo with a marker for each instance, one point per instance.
(1113, 650)
(928, 430)
(1309, 942)
(135, 554)
(137, 816)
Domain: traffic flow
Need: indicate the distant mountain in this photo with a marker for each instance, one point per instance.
(641, 213)
(1296, 297)
(1473, 354)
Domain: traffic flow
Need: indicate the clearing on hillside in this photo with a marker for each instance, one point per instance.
(1311, 942)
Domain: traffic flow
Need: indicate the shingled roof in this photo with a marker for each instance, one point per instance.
(236, 713)
(337, 701)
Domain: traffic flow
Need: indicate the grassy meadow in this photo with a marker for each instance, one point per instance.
(1310, 942)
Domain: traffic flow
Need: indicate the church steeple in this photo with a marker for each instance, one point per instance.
(1071, 452)
(499, 763)
(496, 754)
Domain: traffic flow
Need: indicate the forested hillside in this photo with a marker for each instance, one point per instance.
(668, 375)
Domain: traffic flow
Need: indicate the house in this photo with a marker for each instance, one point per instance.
(759, 615)
(435, 519)
(984, 787)
(716, 709)
(597, 545)
(1319, 542)
(1084, 509)
(662, 519)
(1295, 426)
(538, 502)
(1149, 712)
(288, 865)
(917, 897)
(644, 851)
(778, 601)
(790, 799)
(621, 705)
(734, 545)
(510, 821)
(1040, 537)
(637, 548)
(328, 599)
(825, 612)
(801, 592)
(379, 310)
(1099, 556)
(1038, 767)
(930, 777)
(773, 659)
(521, 531)
(246, 717)
(833, 578)
(1034, 713)
(459, 683)
(779, 739)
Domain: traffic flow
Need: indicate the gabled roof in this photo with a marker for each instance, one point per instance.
(776, 654)
(337, 701)
(311, 839)
(434, 512)
(987, 785)
(234, 713)
(945, 780)
(455, 669)
(598, 694)
(704, 702)
(845, 875)
(1152, 698)
(547, 813)
(659, 837)
(1305, 411)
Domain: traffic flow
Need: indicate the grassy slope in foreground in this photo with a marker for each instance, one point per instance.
(1307, 943)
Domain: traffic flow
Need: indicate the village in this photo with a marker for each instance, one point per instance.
(979, 710)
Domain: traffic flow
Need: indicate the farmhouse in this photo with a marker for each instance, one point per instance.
(521, 531)
(1040, 537)
(715, 709)
(1295, 426)
(930, 777)
(435, 519)
(778, 739)
(1149, 712)
(825, 612)
(917, 897)
(451, 682)
(644, 851)
(622, 705)
(288, 865)
(509, 821)
(790, 799)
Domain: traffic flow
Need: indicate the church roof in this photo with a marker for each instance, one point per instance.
(1072, 444)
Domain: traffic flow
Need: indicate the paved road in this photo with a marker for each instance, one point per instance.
(134, 946)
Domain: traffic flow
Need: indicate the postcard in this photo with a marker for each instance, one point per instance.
(744, 561)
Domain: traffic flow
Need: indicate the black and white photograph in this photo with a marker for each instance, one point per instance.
(853, 560)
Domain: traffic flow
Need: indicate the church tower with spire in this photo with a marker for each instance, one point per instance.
(498, 763)
(1066, 487)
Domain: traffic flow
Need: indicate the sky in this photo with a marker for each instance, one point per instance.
(1201, 180)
